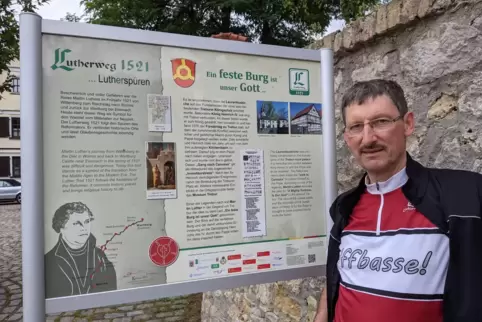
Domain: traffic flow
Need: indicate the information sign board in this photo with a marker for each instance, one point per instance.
(157, 165)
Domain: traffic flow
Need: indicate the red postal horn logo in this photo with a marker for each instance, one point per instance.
(183, 72)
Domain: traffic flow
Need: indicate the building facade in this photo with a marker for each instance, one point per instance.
(307, 121)
(10, 126)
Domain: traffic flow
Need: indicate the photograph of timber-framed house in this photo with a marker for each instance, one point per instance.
(305, 118)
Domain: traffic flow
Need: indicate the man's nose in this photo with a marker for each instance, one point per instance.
(368, 135)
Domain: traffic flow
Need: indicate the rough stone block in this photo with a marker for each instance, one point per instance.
(441, 5)
(442, 107)
(470, 101)
(312, 303)
(15, 317)
(15, 302)
(458, 48)
(143, 317)
(348, 37)
(87, 312)
(424, 7)
(180, 312)
(9, 309)
(124, 319)
(174, 319)
(366, 28)
(164, 314)
(104, 310)
(328, 41)
(394, 12)
(254, 318)
(271, 317)
(134, 313)
(289, 307)
(144, 306)
(250, 299)
(338, 41)
(382, 20)
(67, 319)
(409, 10)
(113, 315)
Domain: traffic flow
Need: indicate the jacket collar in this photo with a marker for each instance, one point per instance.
(415, 177)
(396, 181)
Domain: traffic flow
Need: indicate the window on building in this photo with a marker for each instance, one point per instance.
(4, 127)
(16, 85)
(16, 127)
(16, 167)
(4, 166)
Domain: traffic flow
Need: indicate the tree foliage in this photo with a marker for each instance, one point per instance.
(9, 34)
(278, 22)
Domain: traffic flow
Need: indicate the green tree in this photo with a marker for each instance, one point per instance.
(277, 22)
(9, 34)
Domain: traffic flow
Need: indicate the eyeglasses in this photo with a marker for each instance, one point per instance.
(380, 124)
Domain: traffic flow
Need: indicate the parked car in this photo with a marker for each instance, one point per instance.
(10, 189)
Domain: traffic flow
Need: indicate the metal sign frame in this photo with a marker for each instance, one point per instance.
(32, 27)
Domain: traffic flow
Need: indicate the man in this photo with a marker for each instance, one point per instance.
(75, 265)
(406, 243)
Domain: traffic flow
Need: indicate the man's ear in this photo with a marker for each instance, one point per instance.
(409, 123)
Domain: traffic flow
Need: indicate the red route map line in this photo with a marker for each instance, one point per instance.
(104, 247)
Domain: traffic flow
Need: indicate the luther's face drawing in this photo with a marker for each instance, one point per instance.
(76, 230)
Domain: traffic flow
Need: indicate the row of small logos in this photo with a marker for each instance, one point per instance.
(237, 263)
(233, 270)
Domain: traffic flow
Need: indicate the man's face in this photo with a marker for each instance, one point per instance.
(378, 150)
(77, 229)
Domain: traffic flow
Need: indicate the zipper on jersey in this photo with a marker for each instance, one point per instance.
(380, 209)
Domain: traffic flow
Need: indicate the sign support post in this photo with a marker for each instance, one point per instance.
(32, 168)
(329, 132)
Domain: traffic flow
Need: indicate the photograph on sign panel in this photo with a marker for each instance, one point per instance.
(272, 117)
(159, 113)
(161, 170)
(305, 118)
(75, 265)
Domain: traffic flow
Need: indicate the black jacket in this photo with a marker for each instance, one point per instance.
(450, 199)
(62, 279)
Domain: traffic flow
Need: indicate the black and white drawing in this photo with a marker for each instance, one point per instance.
(159, 113)
(75, 265)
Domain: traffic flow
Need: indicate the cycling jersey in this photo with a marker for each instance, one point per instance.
(392, 261)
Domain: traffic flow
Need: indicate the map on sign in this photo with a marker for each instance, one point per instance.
(167, 165)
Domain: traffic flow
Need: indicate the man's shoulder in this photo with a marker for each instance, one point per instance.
(455, 176)
(346, 198)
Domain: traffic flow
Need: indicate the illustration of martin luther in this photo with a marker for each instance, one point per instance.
(75, 266)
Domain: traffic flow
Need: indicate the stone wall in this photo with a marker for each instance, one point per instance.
(180, 309)
(433, 48)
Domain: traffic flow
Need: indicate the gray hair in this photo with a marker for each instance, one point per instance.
(362, 91)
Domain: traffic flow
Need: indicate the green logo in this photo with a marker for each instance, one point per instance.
(60, 59)
(299, 81)
(213, 266)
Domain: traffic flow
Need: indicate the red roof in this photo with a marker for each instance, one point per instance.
(230, 36)
(306, 110)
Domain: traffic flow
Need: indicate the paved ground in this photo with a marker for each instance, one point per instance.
(182, 309)
(10, 263)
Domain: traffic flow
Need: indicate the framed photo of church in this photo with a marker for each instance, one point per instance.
(161, 170)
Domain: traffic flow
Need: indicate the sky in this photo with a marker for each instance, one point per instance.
(57, 9)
